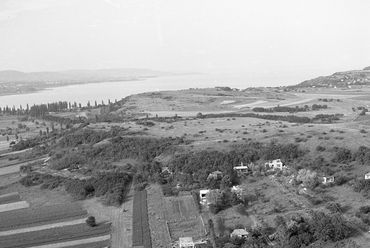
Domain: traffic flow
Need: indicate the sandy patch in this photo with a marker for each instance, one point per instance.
(183, 113)
(43, 227)
(13, 206)
(10, 169)
(75, 242)
(250, 104)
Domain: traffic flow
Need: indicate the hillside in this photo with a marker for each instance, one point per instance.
(10, 76)
(340, 79)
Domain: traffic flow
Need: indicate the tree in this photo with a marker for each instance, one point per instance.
(90, 221)
(307, 177)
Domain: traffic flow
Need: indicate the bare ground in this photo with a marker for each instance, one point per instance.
(14, 206)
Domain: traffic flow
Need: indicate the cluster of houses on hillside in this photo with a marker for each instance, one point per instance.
(273, 165)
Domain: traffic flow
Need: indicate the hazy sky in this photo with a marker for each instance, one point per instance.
(185, 35)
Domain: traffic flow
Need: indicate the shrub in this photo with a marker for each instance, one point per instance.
(90, 221)
(320, 148)
(333, 207)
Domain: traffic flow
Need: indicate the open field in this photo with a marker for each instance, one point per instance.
(183, 218)
(95, 242)
(89, 243)
(54, 235)
(119, 217)
(43, 227)
(40, 216)
(9, 198)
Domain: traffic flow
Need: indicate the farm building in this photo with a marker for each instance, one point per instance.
(203, 195)
(367, 175)
(328, 179)
(274, 164)
(186, 242)
(215, 175)
(240, 233)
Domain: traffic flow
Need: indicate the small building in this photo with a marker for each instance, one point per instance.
(274, 164)
(166, 170)
(203, 195)
(186, 242)
(367, 175)
(329, 179)
(240, 233)
(215, 175)
(242, 169)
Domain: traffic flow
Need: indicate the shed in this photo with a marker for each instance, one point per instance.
(367, 175)
(329, 179)
(240, 233)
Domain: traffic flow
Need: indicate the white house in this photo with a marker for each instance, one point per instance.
(329, 179)
(186, 242)
(367, 175)
(242, 168)
(274, 164)
(203, 195)
(240, 233)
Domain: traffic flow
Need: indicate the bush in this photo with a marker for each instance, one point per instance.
(320, 148)
(90, 221)
(333, 207)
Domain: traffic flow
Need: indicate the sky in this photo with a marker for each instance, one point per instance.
(310, 37)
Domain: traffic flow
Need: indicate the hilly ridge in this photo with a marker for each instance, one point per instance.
(340, 79)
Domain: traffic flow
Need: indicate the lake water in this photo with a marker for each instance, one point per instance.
(92, 92)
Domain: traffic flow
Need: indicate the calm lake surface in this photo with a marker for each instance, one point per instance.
(117, 90)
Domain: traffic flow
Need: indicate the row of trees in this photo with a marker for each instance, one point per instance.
(43, 109)
(110, 186)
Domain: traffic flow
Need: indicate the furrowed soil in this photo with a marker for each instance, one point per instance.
(157, 217)
(54, 235)
(95, 242)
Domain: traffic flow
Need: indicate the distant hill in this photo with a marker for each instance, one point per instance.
(340, 79)
(77, 75)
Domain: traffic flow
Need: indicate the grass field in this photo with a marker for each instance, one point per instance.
(54, 235)
(9, 198)
(40, 216)
(183, 218)
(95, 242)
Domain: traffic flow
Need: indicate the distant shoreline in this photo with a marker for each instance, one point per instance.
(51, 86)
